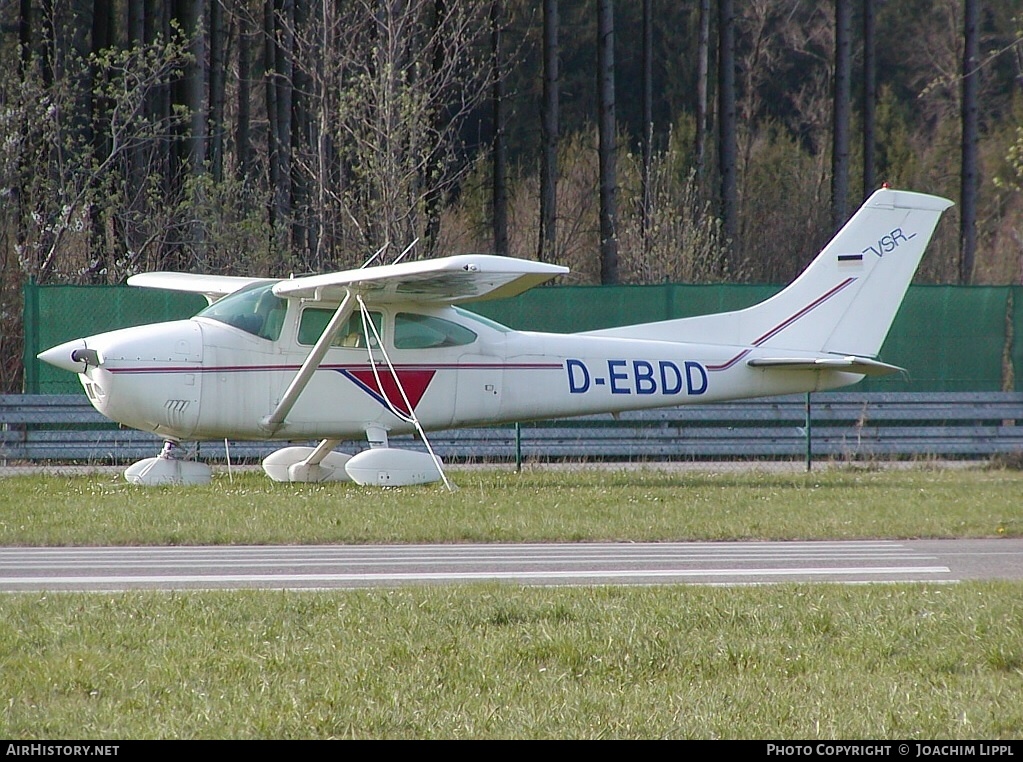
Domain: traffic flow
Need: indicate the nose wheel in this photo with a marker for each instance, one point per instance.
(169, 467)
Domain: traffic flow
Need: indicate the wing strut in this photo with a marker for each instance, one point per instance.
(298, 384)
(410, 417)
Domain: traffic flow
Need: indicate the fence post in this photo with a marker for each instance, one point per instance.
(30, 332)
(518, 446)
(809, 436)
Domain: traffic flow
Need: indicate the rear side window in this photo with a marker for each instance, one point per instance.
(412, 331)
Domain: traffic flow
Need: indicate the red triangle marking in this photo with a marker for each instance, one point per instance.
(414, 382)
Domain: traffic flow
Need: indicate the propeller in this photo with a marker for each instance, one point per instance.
(88, 356)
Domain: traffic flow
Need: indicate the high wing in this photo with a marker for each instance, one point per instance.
(450, 280)
(213, 287)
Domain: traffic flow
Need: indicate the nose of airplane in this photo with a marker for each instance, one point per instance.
(73, 356)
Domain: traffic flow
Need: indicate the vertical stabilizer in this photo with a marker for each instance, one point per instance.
(846, 299)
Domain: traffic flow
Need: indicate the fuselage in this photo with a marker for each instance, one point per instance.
(222, 372)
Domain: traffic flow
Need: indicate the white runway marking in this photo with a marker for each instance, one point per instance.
(343, 566)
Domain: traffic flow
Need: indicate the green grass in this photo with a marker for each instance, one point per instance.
(533, 506)
(788, 661)
(792, 661)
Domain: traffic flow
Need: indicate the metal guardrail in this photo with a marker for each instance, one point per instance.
(846, 425)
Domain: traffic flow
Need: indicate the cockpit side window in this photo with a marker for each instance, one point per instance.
(351, 334)
(481, 319)
(254, 309)
(412, 331)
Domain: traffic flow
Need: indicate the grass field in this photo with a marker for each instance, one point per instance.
(536, 505)
(898, 661)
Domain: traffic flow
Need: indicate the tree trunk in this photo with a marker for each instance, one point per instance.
(278, 30)
(218, 75)
(285, 29)
(648, 118)
(842, 106)
(304, 228)
(24, 35)
(702, 87)
(325, 164)
(433, 194)
(273, 138)
(728, 144)
(156, 24)
(102, 40)
(135, 181)
(869, 99)
(546, 251)
(971, 138)
(243, 140)
(500, 150)
(198, 71)
(606, 137)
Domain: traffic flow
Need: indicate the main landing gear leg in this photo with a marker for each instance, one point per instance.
(308, 464)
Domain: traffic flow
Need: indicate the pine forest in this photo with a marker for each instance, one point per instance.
(637, 141)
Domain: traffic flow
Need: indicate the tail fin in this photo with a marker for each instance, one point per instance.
(844, 302)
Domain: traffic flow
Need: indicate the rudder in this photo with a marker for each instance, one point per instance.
(847, 298)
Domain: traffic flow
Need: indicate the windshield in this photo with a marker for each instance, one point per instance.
(254, 309)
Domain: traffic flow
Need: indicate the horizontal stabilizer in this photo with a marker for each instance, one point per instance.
(850, 364)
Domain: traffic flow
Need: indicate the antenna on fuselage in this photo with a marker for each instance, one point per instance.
(407, 250)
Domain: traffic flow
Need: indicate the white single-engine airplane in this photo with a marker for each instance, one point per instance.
(387, 350)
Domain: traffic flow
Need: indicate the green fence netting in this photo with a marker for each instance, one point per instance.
(949, 338)
(55, 314)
